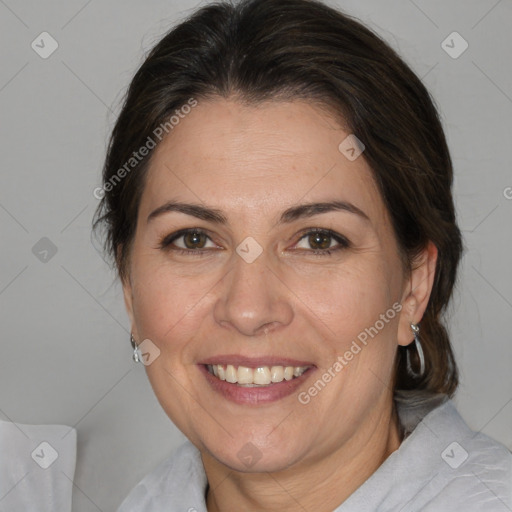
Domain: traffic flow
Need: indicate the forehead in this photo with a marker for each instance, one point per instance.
(266, 157)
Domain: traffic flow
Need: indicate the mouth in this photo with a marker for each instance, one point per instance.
(254, 377)
(255, 384)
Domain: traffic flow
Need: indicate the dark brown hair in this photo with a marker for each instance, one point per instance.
(260, 50)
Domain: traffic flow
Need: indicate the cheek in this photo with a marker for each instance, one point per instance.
(168, 307)
(352, 309)
(346, 299)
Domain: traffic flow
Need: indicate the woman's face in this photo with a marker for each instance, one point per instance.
(258, 289)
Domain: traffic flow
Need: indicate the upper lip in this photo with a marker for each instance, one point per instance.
(254, 362)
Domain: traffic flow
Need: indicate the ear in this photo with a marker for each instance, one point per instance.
(128, 299)
(417, 293)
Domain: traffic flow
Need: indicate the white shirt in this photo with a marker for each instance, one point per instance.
(37, 467)
(441, 465)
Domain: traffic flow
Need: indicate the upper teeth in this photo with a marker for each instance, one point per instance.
(262, 375)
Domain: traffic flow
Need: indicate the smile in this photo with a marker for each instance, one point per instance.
(253, 377)
(260, 385)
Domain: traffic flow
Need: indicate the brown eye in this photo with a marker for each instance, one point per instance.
(319, 240)
(187, 240)
(194, 240)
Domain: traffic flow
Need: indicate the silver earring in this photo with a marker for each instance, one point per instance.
(136, 352)
(416, 329)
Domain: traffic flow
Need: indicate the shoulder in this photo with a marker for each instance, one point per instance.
(469, 471)
(179, 481)
(474, 447)
(480, 472)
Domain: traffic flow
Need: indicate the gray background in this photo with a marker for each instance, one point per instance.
(66, 356)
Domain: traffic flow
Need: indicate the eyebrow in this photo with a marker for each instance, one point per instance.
(290, 215)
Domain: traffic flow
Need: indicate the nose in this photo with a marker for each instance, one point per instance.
(253, 300)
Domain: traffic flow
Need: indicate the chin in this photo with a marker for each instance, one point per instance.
(248, 456)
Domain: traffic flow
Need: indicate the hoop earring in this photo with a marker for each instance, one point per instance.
(416, 329)
(136, 351)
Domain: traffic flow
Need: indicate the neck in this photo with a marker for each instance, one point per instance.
(321, 486)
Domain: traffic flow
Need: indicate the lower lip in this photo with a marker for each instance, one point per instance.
(256, 395)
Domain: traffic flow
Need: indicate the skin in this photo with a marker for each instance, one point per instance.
(252, 163)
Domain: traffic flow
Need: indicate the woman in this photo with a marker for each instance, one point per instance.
(278, 204)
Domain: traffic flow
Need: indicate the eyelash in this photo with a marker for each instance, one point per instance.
(167, 240)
